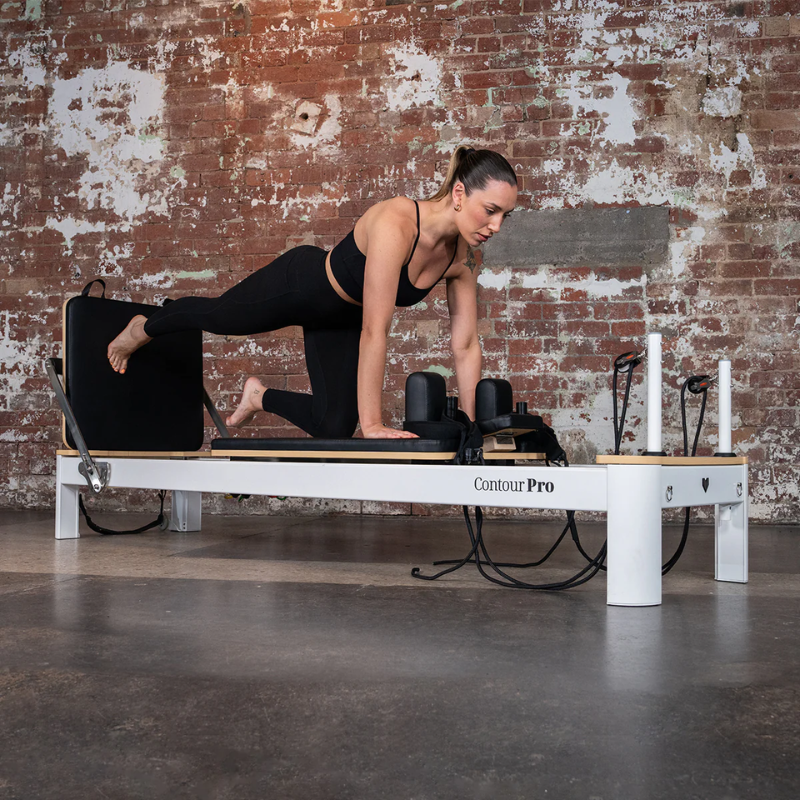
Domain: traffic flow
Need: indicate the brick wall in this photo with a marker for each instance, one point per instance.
(173, 147)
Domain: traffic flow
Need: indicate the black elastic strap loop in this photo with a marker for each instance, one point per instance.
(108, 532)
(88, 287)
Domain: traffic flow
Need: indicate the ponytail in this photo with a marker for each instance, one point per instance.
(475, 168)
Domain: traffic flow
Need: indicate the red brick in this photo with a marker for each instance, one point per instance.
(775, 120)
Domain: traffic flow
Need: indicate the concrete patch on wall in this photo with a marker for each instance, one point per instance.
(321, 126)
(586, 237)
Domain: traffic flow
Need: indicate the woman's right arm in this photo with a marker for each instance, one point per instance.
(388, 241)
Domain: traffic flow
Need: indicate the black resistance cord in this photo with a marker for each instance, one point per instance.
(494, 571)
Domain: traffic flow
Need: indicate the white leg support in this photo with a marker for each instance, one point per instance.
(186, 511)
(66, 505)
(730, 539)
(634, 535)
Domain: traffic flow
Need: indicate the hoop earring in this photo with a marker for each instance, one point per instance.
(458, 207)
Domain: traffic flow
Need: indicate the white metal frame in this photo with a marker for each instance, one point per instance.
(632, 494)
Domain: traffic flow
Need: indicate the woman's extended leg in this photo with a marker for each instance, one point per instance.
(292, 290)
(266, 300)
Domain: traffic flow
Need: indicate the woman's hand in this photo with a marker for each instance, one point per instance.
(380, 431)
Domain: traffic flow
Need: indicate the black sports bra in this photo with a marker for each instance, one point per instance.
(348, 264)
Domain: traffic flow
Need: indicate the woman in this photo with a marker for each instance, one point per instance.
(345, 300)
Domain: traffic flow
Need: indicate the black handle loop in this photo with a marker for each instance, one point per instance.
(88, 287)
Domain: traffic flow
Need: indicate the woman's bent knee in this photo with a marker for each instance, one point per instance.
(341, 428)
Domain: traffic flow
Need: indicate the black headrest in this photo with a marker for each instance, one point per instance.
(426, 395)
(156, 405)
(493, 398)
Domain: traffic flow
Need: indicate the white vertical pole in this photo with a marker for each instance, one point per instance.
(724, 382)
(634, 535)
(654, 393)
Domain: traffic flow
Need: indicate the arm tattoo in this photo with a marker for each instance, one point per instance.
(470, 260)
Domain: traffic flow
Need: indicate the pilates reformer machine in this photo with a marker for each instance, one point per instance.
(117, 436)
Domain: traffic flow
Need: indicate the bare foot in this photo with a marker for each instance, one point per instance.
(252, 393)
(127, 343)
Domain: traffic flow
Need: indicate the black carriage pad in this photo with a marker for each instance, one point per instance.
(343, 447)
(156, 405)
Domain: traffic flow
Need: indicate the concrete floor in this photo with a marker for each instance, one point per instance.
(296, 658)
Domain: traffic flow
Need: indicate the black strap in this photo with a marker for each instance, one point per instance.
(414, 248)
(470, 449)
(88, 287)
(159, 522)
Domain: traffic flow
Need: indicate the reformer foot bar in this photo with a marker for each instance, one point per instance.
(631, 490)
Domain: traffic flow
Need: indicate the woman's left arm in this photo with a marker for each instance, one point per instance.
(462, 302)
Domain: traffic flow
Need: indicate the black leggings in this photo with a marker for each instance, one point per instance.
(292, 290)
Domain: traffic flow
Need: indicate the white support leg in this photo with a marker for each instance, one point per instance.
(186, 511)
(66, 505)
(634, 535)
(730, 538)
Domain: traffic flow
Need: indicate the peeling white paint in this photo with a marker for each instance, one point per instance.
(19, 359)
(750, 27)
(553, 166)
(110, 261)
(111, 117)
(617, 185)
(10, 204)
(8, 135)
(617, 111)
(300, 205)
(495, 280)
(592, 285)
(723, 102)
(30, 58)
(70, 227)
(415, 78)
(681, 249)
(155, 280)
(743, 157)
